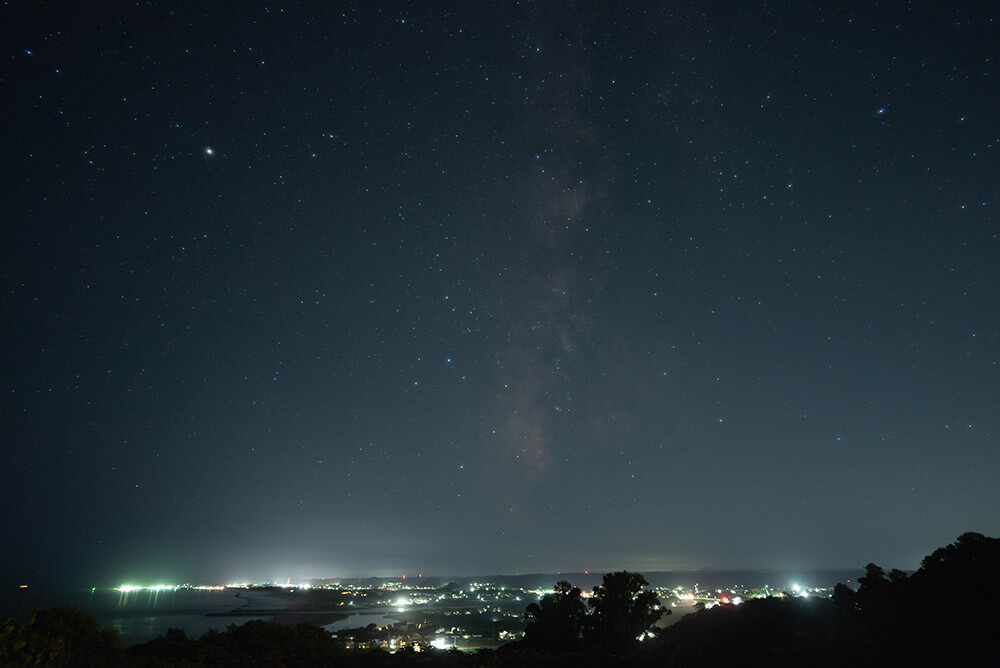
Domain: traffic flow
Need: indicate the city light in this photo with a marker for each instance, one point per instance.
(496, 603)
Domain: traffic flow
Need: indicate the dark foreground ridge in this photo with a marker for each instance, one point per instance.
(943, 614)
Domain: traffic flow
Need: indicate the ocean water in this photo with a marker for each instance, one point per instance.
(364, 617)
(142, 615)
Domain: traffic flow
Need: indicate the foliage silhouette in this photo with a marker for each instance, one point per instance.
(60, 636)
(258, 643)
(943, 614)
(173, 647)
(556, 621)
(623, 611)
(766, 632)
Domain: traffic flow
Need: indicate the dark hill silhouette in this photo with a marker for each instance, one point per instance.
(944, 614)
(768, 632)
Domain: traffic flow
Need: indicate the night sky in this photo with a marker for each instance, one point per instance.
(360, 288)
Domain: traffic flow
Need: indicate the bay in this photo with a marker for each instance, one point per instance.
(140, 616)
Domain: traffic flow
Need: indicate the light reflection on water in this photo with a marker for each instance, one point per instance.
(143, 615)
(359, 619)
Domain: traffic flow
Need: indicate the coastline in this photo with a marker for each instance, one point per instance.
(292, 610)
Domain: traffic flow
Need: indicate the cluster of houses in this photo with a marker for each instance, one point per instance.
(418, 638)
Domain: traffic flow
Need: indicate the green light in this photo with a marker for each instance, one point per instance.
(93, 589)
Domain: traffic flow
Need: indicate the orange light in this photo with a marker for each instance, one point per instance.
(22, 586)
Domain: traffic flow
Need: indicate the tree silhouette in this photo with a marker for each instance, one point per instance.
(58, 637)
(556, 621)
(896, 576)
(844, 596)
(959, 582)
(623, 611)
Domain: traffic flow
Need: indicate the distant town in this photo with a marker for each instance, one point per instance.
(419, 613)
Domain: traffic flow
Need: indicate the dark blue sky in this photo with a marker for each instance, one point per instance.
(368, 288)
